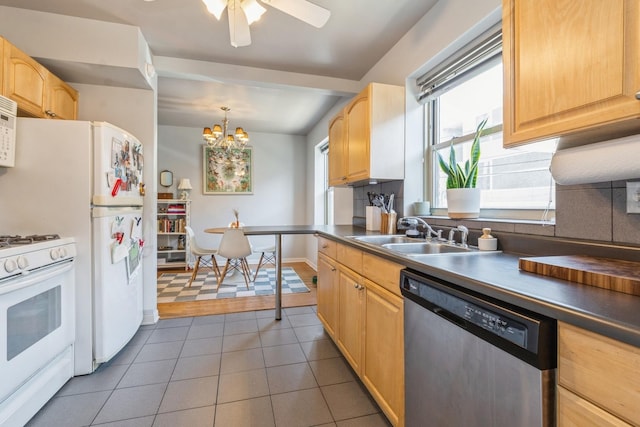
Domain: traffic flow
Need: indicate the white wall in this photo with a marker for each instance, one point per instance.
(279, 186)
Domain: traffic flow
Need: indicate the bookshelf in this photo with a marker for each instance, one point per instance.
(173, 245)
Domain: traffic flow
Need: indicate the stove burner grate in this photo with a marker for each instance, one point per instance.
(7, 240)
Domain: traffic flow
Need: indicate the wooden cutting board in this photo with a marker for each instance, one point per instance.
(613, 274)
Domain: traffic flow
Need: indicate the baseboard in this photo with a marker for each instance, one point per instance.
(150, 317)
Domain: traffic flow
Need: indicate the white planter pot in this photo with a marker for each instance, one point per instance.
(463, 203)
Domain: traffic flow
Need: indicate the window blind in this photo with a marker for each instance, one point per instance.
(479, 55)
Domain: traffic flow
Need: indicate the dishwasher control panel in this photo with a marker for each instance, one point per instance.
(502, 326)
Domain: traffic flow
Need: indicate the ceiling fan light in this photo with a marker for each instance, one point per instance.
(252, 10)
(215, 7)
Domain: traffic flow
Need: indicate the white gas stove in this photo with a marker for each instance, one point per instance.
(37, 307)
(23, 254)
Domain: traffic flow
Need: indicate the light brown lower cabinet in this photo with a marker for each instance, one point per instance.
(350, 322)
(574, 411)
(368, 326)
(383, 364)
(598, 379)
(327, 294)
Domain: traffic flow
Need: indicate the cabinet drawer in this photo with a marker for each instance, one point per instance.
(602, 370)
(351, 257)
(575, 411)
(383, 272)
(327, 247)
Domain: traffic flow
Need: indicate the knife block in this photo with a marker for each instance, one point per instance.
(373, 218)
(388, 223)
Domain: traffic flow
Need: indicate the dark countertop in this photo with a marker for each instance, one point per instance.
(609, 313)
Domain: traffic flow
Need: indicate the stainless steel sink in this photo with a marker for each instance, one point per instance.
(426, 248)
(387, 239)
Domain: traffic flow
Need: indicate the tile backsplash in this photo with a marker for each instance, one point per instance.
(360, 199)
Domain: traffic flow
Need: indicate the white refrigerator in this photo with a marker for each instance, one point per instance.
(84, 179)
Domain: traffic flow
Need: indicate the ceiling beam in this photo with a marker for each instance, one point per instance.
(188, 69)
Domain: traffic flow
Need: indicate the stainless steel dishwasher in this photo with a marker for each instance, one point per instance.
(472, 361)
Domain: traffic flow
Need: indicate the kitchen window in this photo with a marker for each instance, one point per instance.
(459, 94)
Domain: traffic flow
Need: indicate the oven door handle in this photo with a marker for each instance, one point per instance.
(29, 279)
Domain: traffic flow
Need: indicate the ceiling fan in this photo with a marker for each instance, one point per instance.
(243, 13)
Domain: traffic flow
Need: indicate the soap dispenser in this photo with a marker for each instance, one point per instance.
(487, 242)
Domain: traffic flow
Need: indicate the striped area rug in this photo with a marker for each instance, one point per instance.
(172, 286)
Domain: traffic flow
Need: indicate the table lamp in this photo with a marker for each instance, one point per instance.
(185, 186)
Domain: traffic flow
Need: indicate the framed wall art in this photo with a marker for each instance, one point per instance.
(227, 171)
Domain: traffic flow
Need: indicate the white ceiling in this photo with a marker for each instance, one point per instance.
(284, 82)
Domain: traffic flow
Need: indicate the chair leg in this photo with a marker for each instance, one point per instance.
(215, 267)
(246, 271)
(223, 274)
(195, 271)
(258, 267)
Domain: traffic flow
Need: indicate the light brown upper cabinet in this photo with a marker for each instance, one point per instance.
(367, 137)
(337, 152)
(62, 99)
(38, 92)
(571, 68)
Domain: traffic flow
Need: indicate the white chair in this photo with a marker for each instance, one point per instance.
(235, 247)
(267, 256)
(198, 252)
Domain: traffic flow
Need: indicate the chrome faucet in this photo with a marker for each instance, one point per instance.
(464, 233)
(412, 222)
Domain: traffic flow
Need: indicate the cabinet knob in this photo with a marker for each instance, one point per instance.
(50, 113)
(638, 94)
(333, 269)
(355, 285)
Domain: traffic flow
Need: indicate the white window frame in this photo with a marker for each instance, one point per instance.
(431, 118)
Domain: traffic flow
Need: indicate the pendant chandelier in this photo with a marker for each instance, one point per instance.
(218, 136)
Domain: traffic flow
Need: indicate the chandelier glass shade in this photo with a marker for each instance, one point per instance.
(219, 137)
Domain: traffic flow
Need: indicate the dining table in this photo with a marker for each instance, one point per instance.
(278, 231)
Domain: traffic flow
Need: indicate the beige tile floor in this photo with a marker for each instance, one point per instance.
(241, 369)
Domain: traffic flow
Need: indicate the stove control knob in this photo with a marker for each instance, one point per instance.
(23, 262)
(63, 252)
(10, 266)
(54, 254)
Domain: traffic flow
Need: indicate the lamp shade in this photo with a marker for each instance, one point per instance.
(184, 184)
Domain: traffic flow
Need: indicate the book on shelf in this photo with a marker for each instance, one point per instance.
(176, 209)
(166, 225)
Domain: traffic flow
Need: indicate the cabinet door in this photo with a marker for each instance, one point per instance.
(62, 99)
(357, 136)
(337, 152)
(601, 370)
(573, 411)
(25, 81)
(569, 66)
(350, 327)
(383, 362)
(327, 294)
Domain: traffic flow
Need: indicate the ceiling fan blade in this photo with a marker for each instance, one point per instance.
(238, 25)
(303, 10)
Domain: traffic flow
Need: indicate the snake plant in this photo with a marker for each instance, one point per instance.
(457, 176)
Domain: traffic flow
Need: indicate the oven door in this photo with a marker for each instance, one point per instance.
(37, 323)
